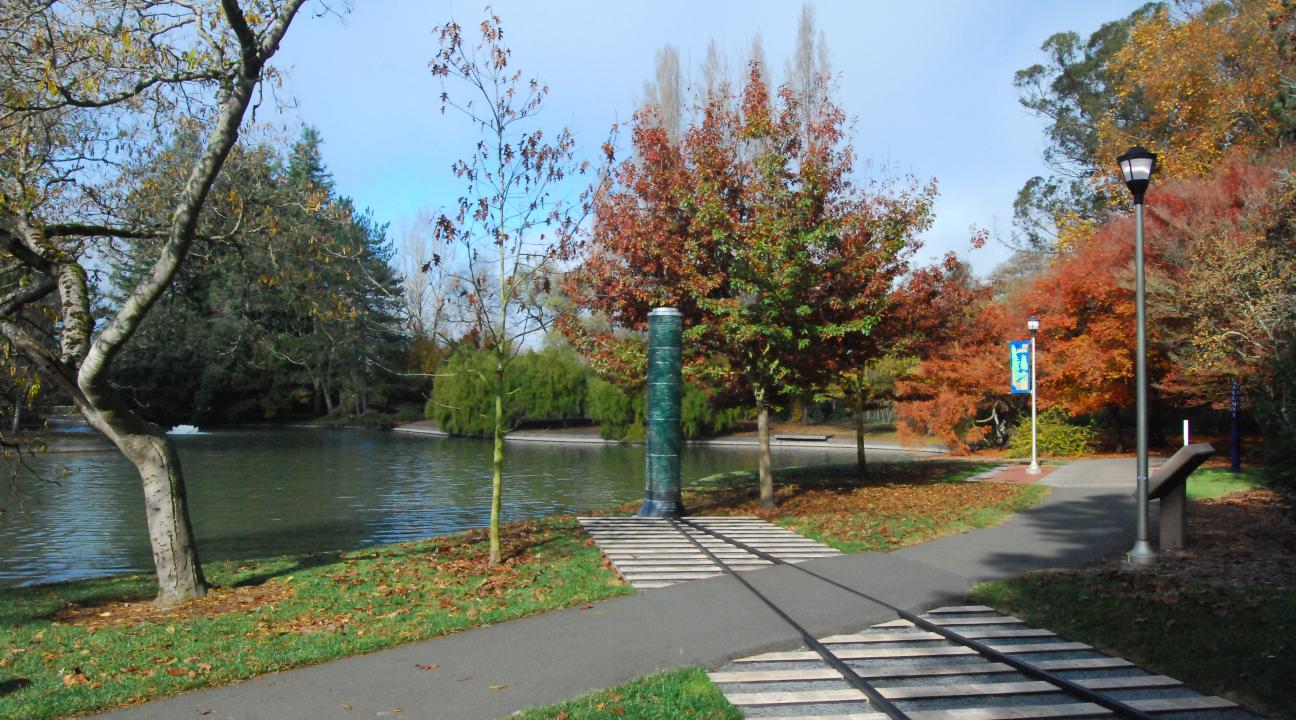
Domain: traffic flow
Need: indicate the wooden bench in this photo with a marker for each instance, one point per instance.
(802, 438)
(1169, 484)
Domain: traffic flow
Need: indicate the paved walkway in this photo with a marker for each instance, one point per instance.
(494, 671)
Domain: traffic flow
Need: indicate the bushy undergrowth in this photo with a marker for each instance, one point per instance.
(556, 385)
(1056, 436)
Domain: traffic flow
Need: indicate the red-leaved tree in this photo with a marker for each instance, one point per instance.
(753, 227)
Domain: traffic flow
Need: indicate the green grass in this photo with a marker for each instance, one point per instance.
(322, 607)
(669, 695)
(1207, 483)
(1218, 640)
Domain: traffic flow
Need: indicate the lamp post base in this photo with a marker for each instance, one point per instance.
(1034, 469)
(1140, 556)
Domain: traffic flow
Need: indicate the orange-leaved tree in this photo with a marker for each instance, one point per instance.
(1208, 81)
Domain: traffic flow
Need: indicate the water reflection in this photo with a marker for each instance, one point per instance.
(269, 492)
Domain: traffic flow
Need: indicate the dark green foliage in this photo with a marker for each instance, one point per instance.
(1056, 436)
(463, 399)
(550, 384)
(545, 385)
(1276, 413)
(298, 314)
(698, 415)
(555, 385)
(620, 416)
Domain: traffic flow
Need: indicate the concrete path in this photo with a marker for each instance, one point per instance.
(494, 671)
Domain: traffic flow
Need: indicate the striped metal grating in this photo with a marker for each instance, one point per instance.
(653, 553)
(931, 678)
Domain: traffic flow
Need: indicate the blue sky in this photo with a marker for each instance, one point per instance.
(928, 82)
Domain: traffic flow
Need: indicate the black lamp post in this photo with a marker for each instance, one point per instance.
(1136, 166)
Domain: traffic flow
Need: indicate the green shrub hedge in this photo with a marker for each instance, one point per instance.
(555, 385)
(1056, 436)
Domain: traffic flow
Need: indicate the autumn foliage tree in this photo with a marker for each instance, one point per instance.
(90, 90)
(1194, 81)
(951, 322)
(753, 227)
(1208, 82)
(1220, 304)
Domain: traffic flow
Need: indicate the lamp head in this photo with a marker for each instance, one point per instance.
(1136, 167)
(1033, 323)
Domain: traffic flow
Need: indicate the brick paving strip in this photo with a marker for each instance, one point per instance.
(930, 678)
(653, 553)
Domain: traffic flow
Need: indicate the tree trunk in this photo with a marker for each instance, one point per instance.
(763, 438)
(1156, 419)
(1113, 415)
(17, 407)
(861, 465)
(497, 466)
(175, 554)
(319, 397)
(328, 400)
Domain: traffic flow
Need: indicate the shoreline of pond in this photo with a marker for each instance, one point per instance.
(88, 440)
(429, 428)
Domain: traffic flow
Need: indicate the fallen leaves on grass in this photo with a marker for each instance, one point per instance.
(218, 601)
(1245, 539)
(875, 516)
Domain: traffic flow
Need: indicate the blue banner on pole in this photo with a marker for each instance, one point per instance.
(1019, 382)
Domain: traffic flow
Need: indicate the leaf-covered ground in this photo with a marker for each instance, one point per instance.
(897, 504)
(76, 647)
(1221, 616)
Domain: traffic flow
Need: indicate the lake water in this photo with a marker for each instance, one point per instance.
(255, 493)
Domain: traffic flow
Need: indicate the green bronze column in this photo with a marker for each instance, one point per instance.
(662, 491)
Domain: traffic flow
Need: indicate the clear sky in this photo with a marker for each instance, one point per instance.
(928, 82)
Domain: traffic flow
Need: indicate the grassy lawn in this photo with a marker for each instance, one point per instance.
(685, 693)
(77, 647)
(899, 504)
(1207, 483)
(1220, 616)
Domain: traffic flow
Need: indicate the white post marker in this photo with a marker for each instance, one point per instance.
(1185, 433)
(1033, 325)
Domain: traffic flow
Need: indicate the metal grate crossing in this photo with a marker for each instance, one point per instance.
(929, 677)
(654, 553)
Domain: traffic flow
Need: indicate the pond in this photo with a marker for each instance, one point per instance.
(255, 493)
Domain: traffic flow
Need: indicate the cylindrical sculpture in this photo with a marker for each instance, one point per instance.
(662, 471)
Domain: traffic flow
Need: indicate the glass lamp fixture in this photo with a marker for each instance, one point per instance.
(1136, 166)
